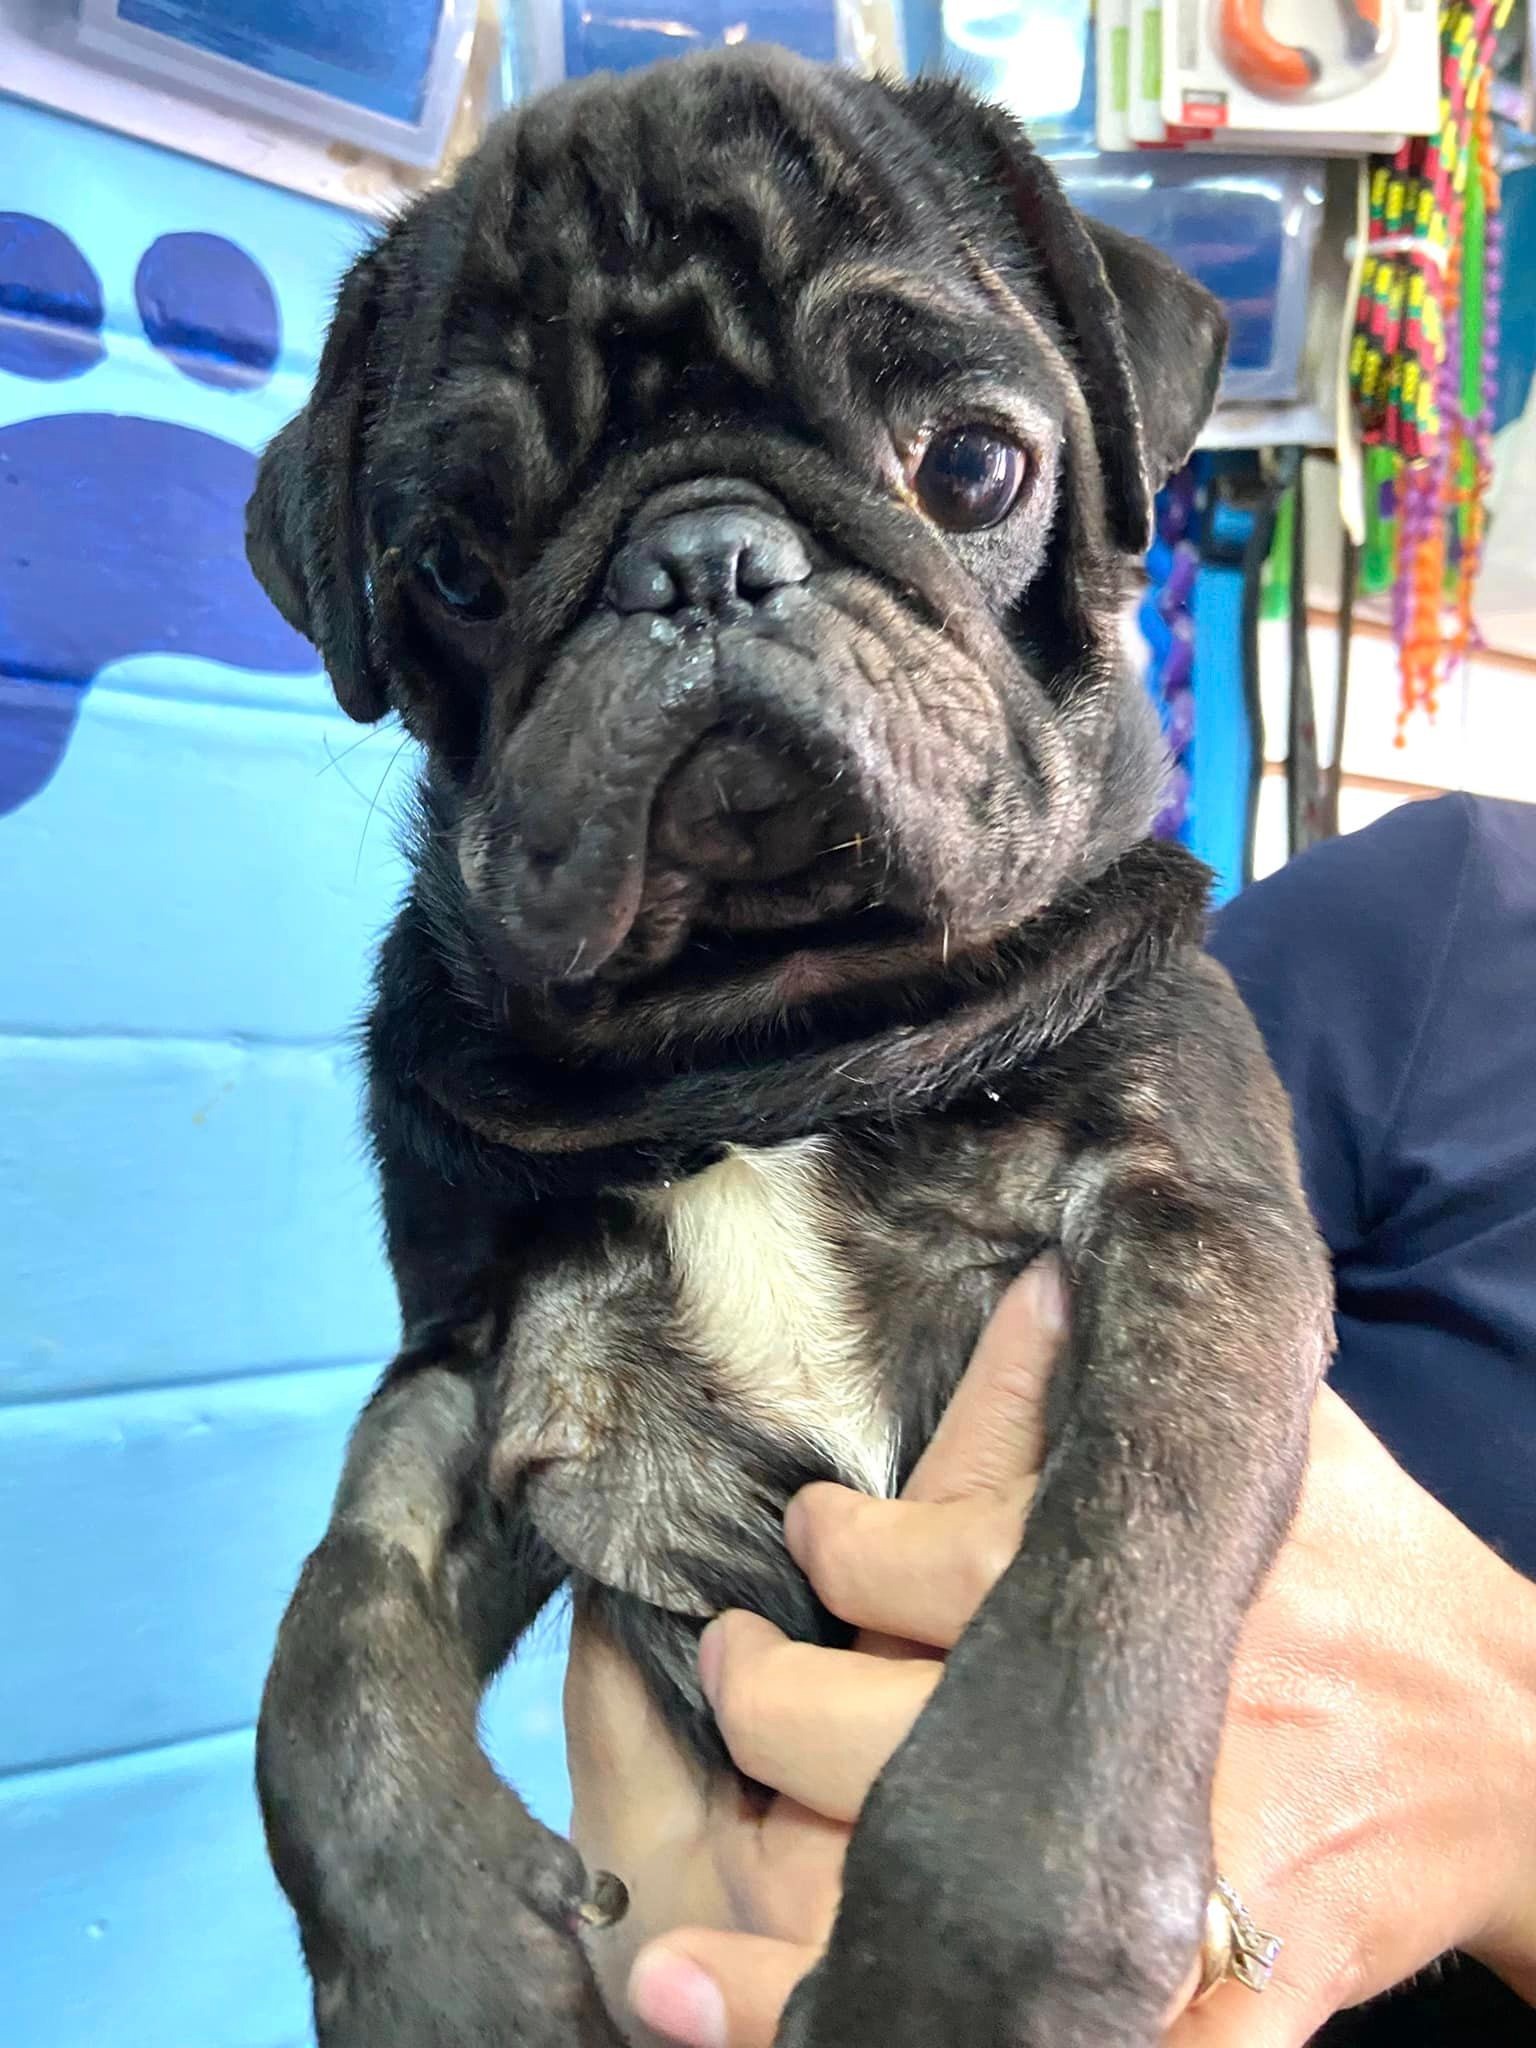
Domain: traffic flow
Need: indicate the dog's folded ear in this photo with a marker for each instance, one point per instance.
(1175, 340)
(303, 530)
(1148, 343)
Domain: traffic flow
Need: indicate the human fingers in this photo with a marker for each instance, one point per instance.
(993, 1431)
(712, 1990)
(912, 1570)
(815, 1725)
(1283, 2016)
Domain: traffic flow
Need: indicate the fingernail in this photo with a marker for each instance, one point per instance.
(711, 1651)
(670, 1993)
(1050, 1295)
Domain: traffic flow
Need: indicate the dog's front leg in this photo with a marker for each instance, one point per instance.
(435, 1911)
(1032, 1868)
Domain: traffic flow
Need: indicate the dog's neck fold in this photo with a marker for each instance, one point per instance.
(512, 1117)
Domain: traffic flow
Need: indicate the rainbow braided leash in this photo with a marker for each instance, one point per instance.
(1423, 362)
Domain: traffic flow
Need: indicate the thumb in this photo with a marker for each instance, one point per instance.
(992, 1434)
(712, 1990)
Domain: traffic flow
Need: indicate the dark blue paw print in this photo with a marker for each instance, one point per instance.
(121, 535)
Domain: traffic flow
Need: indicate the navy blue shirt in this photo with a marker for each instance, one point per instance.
(1393, 975)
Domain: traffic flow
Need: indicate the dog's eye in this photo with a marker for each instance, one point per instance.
(969, 478)
(458, 578)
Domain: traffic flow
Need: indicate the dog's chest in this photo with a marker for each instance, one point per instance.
(767, 1302)
(675, 1371)
(680, 1359)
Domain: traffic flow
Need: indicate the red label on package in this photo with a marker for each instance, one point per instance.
(1204, 110)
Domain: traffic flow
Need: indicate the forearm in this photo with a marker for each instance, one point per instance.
(1508, 1632)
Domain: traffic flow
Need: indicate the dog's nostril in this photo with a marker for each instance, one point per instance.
(711, 556)
(765, 566)
(637, 582)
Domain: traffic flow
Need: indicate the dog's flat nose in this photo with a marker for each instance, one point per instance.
(711, 556)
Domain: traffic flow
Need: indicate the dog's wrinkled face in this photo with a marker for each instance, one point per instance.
(729, 478)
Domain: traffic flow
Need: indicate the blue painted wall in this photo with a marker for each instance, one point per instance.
(196, 855)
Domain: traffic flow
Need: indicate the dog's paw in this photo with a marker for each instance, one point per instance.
(123, 535)
(931, 1999)
(434, 1910)
(918, 1992)
(983, 1933)
(479, 1947)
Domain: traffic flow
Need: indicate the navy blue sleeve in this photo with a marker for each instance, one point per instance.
(1392, 973)
(1339, 956)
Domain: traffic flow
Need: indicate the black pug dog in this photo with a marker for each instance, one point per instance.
(730, 479)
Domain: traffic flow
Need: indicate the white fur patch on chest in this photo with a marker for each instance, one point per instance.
(767, 1303)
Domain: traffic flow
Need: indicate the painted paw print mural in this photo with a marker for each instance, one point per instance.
(122, 535)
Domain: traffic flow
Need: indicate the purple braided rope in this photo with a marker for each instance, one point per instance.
(1493, 288)
(1423, 485)
(1174, 604)
(1493, 253)
(1419, 487)
(1493, 294)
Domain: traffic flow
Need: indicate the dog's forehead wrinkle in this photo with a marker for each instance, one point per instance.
(648, 160)
(699, 284)
(623, 177)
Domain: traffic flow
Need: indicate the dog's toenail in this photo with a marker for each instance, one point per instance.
(607, 1905)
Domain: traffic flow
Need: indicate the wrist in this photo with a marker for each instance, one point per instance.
(1509, 1946)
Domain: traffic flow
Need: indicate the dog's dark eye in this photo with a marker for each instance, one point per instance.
(969, 478)
(458, 578)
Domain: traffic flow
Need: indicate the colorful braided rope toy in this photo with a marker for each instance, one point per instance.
(1166, 618)
(1423, 362)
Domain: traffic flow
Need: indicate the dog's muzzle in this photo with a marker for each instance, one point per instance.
(643, 752)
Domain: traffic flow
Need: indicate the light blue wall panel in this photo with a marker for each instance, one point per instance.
(136, 1904)
(235, 862)
(137, 1908)
(196, 857)
(178, 1571)
(184, 1489)
(187, 1208)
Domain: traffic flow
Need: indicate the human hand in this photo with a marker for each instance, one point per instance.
(1376, 1797)
(769, 1883)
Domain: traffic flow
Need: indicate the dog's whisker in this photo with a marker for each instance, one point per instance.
(333, 759)
(362, 837)
(347, 783)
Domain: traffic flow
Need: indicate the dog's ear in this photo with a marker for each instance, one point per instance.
(1148, 342)
(303, 526)
(1175, 338)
